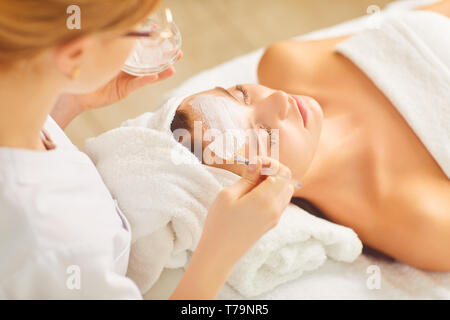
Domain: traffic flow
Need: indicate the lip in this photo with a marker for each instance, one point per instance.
(302, 109)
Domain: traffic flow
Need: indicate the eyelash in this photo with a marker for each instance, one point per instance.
(244, 92)
(246, 101)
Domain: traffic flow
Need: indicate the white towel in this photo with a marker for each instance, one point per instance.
(408, 59)
(166, 205)
(333, 280)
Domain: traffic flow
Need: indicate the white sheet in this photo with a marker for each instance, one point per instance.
(335, 280)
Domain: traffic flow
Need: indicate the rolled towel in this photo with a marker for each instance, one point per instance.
(166, 203)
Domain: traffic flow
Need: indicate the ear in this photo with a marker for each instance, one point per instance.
(69, 56)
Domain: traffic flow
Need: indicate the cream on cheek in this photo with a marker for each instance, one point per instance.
(228, 119)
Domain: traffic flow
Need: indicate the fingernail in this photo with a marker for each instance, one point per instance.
(252, 167)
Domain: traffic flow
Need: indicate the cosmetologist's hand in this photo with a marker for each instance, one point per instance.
(69, 106)
(239, 216)
(245, 211)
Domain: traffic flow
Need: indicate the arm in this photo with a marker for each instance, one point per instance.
(70, 106)
(240, 216)
(66, 109)
(419, 234)
(206, 274)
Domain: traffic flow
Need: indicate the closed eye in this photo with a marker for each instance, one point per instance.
(244, 93)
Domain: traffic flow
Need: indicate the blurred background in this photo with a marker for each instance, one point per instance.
(215, 31)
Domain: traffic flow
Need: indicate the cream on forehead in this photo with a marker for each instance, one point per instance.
(219, 112)
(226, 116)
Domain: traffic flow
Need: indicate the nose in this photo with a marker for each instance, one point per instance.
(278, 103)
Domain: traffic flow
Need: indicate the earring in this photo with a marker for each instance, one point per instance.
(75, 73)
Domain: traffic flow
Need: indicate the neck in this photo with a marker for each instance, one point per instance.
(25, 102)
(335, 154)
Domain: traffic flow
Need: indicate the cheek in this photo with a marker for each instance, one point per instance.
(122, 49)
(115, 53)
(296, 150)
(101, 68)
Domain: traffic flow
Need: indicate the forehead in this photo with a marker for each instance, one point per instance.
(186, 105)
(218, 92)
(218, 109)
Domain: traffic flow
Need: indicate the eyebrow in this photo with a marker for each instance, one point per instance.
(229, 94)
(232, 96)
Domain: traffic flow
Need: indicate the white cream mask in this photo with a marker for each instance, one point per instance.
(226, 116)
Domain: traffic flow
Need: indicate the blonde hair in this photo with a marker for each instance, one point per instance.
(27, 27)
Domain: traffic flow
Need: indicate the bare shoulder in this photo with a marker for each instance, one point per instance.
(288, 64)
(278, 66)
(442, 7)
(417, 223)
(430, 196)
(293, 66)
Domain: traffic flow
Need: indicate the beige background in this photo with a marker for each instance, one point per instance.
(215, 31)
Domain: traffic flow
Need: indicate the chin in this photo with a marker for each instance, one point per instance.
(317, 111)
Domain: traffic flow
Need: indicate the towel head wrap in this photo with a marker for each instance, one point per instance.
(166, 203)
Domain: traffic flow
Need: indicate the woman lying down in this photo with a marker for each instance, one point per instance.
(371, 148)
(359, 161)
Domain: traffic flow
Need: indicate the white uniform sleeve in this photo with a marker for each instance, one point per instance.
(61, 235)
(71, 252)
(66, 275)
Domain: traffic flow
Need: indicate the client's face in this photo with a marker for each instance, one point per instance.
(294, 121)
